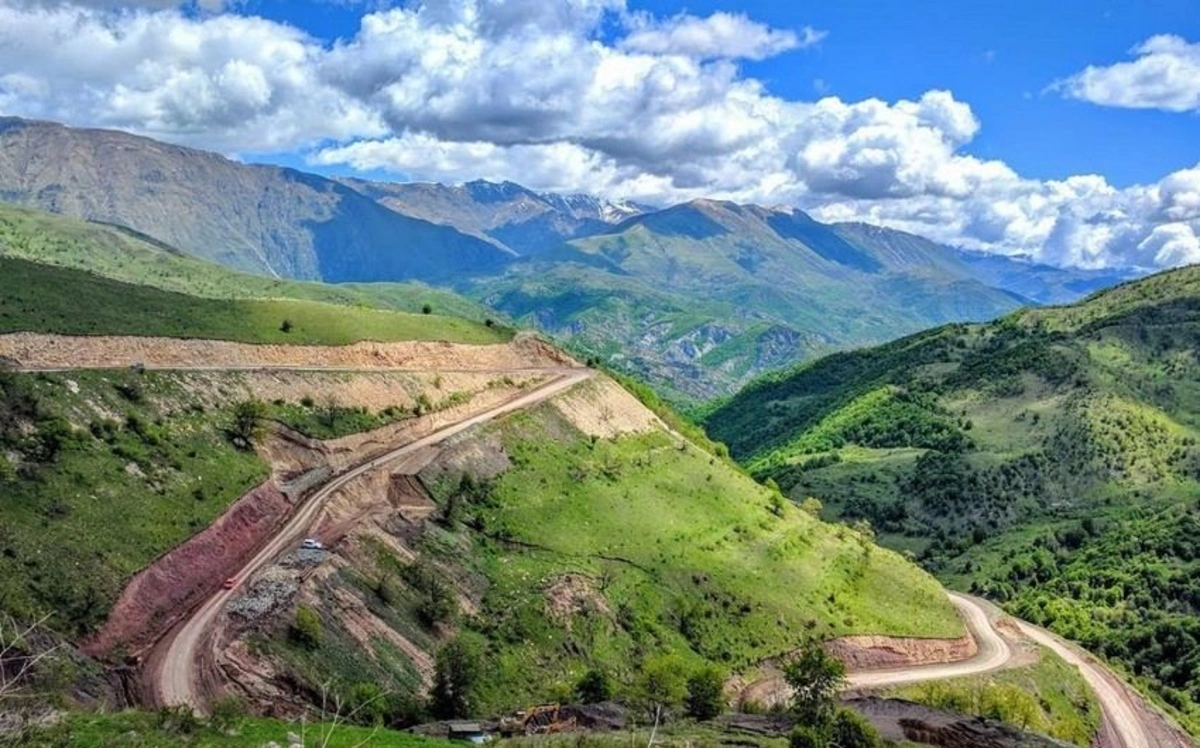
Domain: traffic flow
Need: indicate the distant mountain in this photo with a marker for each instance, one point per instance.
(703, 296)
(698, 298)
(1048, 460)
(507, 214)
(262, 219)
(1044, 284)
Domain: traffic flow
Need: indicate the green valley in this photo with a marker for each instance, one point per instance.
(1047, 460)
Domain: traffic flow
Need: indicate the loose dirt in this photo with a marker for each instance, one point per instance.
(159, 596)
(879, 652)
(38, 351)
(604, 409)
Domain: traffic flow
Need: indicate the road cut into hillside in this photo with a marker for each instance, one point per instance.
(177, 670)
(43, 352)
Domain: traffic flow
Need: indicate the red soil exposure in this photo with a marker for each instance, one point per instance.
(885, 652)
(162, 594)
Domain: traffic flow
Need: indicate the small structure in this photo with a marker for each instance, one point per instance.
(471, 732)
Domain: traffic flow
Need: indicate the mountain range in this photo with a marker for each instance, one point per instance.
(697, 298)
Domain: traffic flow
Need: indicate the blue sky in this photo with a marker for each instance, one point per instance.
(1067, 130)
(997, 56)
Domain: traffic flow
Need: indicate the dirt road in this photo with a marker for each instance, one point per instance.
(177, 659)
(1126, 724)
(994, 653)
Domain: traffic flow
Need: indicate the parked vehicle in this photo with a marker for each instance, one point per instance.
(229, 583)
(312, 544)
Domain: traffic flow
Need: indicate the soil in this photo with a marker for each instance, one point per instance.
(880, 652)
(604, 409)
(39, 351)
(163, 593)
(574, 595)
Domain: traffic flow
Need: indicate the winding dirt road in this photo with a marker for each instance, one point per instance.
(174, 665)
(993, 653)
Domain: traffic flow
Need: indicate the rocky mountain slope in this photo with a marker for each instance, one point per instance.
(263, 219)
(1048, 459)
(520, 219)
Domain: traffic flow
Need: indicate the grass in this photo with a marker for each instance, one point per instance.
(679, 553)
(1048, 697)
(124, 255)
(135, 457)
(44, 298)
(139, 729)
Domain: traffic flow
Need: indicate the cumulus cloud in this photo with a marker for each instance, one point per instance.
(721, 35)
(574, 95)
(222, 81)
(1165, 75)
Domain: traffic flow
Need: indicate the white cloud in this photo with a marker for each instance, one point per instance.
(531, 91)
(721, 35)
(220, 81)
(1165, 75)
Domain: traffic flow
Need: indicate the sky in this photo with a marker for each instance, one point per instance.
(1068, 131)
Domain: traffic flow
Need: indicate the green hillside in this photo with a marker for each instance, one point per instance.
(618, 555)
(1048, 460)
(45, 298)
(125, 255)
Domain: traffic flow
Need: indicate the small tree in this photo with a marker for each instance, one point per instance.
(285, 326)
(247, 425)
(851, 730)
(456, 677)
(705, 694)
(663, 684)
(594, 687)
(306, 630)
(438, 603)
(815, 678)
(426, 309)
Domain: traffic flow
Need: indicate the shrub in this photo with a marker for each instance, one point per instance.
(805, 736)
(227, 712)
(426, 309)
(663, 682)
(306, 629)
(594, 687)
(705, 694)
(851, 730)
(285, 326)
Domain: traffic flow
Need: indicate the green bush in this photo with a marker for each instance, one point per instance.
(227, 712)
(594, 687)
(306, 629)
(851, 730)
(705, 694)
(815, 678)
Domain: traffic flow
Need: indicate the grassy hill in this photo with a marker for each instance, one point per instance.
(1048, 460)
(125, 255)
(44, 298)
(614, 554)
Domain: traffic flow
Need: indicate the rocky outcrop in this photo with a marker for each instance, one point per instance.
(882, 652)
